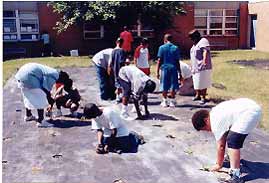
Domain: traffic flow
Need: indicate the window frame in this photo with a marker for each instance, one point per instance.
(101, 32)
(20, 33)
(223, 29)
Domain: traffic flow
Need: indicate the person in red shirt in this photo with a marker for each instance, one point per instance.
(127, 41)
(141, 56)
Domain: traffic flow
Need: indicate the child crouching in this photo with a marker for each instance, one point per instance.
(112, 135)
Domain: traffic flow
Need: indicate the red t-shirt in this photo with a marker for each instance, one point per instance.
(127, 40)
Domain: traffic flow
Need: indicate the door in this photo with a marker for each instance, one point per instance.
(253, 31)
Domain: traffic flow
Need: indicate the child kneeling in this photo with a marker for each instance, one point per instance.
(112, 135)
(68, 97)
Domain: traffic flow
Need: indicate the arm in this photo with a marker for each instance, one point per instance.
(205, 54)
(49, 98)
(220, 153)
(179, 71)
(114, 132)
(158, 67)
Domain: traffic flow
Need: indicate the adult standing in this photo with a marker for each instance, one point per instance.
(46, 50)
(201, 65)
(168, 63)
(102, 60)
(127, 37)
(36, 82)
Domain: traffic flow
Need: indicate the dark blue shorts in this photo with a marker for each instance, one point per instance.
(235, 140)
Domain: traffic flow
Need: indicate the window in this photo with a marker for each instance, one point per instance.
(216, 22)
(20, 26)
(92, 31)
(140, 30)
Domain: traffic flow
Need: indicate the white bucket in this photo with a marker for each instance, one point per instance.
(74, 53)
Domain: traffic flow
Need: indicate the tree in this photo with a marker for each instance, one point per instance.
(158, 14)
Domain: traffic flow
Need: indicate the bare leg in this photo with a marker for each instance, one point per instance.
(234, 155)
(139, 115)
(173, 94)
(145, 102)
(203, 93)
(164, 94)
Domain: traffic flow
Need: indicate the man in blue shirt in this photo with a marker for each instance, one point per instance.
(168, 63)
(36, 82)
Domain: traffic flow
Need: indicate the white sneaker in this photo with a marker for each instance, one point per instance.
(164, 103)
(45, 124)
(29, 118)
(58, 113)
(173, 103)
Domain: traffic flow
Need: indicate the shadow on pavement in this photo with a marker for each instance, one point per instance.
(194, 106)
(255, 170)
(158, 116)
(65, 123)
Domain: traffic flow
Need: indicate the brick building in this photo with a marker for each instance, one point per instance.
(225, 24)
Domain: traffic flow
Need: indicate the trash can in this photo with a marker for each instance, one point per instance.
(74, 53)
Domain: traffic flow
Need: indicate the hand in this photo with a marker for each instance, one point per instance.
(215, 168)
(68, 103)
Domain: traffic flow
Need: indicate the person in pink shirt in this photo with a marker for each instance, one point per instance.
(127, 41)
(141, 56)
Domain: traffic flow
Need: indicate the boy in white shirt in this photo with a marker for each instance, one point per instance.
(230, 121)
(137, 84)
(112, 135)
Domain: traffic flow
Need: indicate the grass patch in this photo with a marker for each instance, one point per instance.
(11, 66)
(239, 81)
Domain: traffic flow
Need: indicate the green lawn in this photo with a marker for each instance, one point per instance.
(11, 66)
(239, 81)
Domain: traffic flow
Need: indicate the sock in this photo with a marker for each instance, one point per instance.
(235, 171)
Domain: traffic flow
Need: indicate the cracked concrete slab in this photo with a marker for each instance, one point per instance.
(174, 151)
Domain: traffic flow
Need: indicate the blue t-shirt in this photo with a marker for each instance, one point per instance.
(33, 75)
(169, 55)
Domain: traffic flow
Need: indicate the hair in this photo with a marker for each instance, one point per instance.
(168, 37)
(198, 119)
(150, 86)
(91, 111)
(63, 77)
(119, 41)
(68, 84)
(144, 41)
(195, 35)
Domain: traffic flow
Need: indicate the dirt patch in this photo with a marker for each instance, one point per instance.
(259, 64)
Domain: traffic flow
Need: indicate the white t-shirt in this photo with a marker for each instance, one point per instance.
(185, 70)
(135, 76)
(108, 121)
(142, 57)
(103, 58)
(239, 115)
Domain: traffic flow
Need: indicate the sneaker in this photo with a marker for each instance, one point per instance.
(234, 179)
(45, 124)
(173, 103)
(29, 118)
(202, 101)
(58, 113)
(196, 98)
(49, 114)
(74, 114)
(164, 103)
